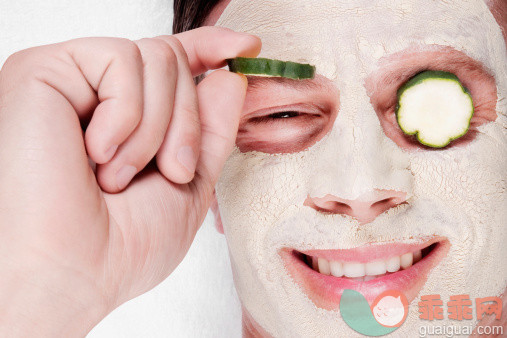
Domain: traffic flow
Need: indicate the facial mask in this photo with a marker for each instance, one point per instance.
(458, 193)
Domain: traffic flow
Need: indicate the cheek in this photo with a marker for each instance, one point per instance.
(466, 180)
(466, 184)
(256, 189)
(248, 192)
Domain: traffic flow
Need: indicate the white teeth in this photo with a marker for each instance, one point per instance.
(375, 268)
(336, 268)
(351, 269)
(406, 260)
(324, 266)
(369, 270)
(417, 256)
(393, 264)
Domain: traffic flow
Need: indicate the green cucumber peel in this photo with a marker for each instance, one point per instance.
(271, 68)
(429, 92)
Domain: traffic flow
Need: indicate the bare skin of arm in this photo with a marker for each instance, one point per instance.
(77, 242)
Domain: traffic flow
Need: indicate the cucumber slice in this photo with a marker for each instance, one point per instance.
(435, 107)
(271, 68)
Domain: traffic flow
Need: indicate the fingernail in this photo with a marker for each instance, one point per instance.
(110, 152)
(187, 158)
(124, 175)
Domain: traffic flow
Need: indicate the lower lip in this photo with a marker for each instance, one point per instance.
(325, 291)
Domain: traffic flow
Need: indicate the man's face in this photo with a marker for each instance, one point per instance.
(322, 170)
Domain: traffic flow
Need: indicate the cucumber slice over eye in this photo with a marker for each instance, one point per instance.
(271, 68)
(435, 107)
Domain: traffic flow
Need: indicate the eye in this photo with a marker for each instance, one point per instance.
(275, 116)
(468, 82)
(284, 115)
(283, 129)
(434, 107)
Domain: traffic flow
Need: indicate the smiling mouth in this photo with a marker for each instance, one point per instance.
(369, 270)
(372, 269)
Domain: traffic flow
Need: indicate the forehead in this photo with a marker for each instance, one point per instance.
(337, 36)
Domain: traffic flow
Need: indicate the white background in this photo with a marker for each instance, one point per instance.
(198, 299)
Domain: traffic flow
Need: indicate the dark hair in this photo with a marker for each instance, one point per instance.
(190, 14)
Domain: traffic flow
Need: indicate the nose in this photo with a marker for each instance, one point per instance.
(365, 208)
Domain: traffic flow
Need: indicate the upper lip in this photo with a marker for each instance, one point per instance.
(325, 290)
(368, 253)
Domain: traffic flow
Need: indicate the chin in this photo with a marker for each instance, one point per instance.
(285, 292)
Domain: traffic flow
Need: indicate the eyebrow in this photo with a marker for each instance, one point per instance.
(410, 64)
(259, 82)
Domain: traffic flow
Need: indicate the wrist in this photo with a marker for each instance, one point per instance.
(48, 304)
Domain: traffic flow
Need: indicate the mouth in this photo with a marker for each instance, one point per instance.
(370, 270)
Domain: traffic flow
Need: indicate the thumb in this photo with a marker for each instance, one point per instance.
(221, 96)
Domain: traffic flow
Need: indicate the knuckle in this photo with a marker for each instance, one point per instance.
(176, 45)
(20, 58)
(166, 52)
(159, 52)
(27, 64)
(129, 49)
(162, 50)
(14, 58)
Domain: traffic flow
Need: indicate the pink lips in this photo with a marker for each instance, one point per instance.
(325, 291)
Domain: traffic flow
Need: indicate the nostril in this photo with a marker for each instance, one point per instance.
(338, 207)
(383, 203)
(365, 208)
(332, 207)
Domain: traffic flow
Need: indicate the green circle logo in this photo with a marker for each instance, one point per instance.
(386, 314)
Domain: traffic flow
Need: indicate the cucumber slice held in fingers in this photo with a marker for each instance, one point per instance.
(435, 107)
(271, 68)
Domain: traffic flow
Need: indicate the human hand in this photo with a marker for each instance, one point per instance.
(76, 243)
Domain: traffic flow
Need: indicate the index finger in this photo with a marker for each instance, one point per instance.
(208, 47)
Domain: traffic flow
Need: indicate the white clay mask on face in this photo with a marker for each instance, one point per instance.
(457, 193)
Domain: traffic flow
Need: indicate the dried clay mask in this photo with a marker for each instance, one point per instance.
(456, 193)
